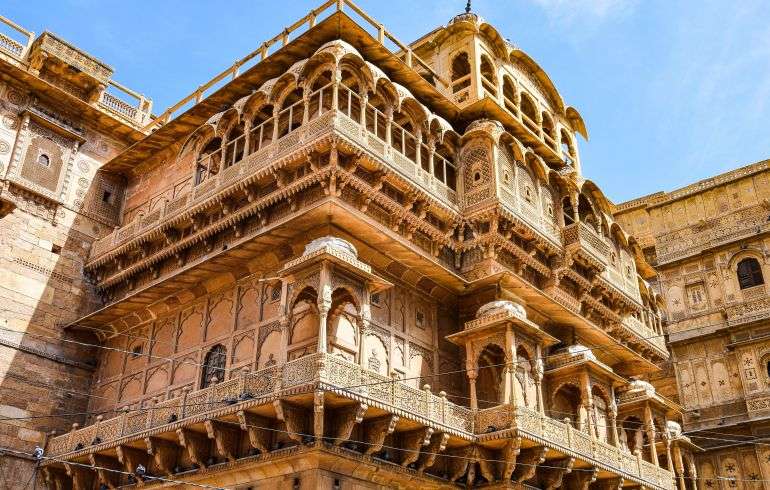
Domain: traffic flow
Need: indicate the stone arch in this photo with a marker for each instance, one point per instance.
(510, 94)
(566, 403)
(633, 436)
(526, 394)
(460, 71)
(528, 108)
(488, 75)
(377, 357)
(490, 375)
(214, 366)
(600, 416)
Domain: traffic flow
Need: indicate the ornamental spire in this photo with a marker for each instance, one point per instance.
(468, 7)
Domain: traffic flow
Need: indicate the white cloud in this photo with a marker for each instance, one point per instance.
(594, 11)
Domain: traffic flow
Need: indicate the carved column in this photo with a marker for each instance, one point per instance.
(586, 423)
(364, 102)
(509, 372)
(324, 304)
(539, 370)
(336, 80)
(389, 126)
(573, 199)
(431, 154)
(472, 374)
(649, 427)
(613, 421)
(418, 147)
(679, 467)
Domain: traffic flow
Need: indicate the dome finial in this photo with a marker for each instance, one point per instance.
(468, 7)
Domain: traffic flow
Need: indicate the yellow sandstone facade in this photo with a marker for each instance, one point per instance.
(709, 244)
(348, 262)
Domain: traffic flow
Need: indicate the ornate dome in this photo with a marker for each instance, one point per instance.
(673, 428)
(332, 242)
(467, 17)
(578, 350)
(640, 385)
(502, 306)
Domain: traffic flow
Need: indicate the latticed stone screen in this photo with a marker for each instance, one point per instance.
(43, 161)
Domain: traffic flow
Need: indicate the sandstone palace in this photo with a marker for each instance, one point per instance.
(348, 262)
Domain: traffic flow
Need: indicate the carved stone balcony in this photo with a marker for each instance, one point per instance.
(643, 331)
(206, 423)
(562, 437)
(583, 241)
(707, 235)
(749, 311)
(332, 122)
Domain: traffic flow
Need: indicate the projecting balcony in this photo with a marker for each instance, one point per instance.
(280, 137)
(584, 241)
(207, 424)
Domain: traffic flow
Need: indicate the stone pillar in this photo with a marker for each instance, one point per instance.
(246, 137)
(389, 126)
(337, 77)
(364, 101)
(511, 367)
(613, 422)
(324, 305)
(472, 374)
(586, 425)
(539, 370)
(679, 467)
(649, 427)
(431, 160)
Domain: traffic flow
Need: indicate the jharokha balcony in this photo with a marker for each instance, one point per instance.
(571, 421)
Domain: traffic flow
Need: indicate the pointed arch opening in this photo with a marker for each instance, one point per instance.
(566, 405)
(214, 366)
(490, 389)
(209, 159)
(291, 112)
(461, 72)
(488, 76)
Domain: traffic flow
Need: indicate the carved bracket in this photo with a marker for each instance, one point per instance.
(412, 441)
(508, 455)
(528, 459)
(225, 437)
(293, 417)
(82, 478)
(347, 418)
(552, 476)
(107, 470)
(198, 446)
(437, 445)
(163, 454)
(580, 479)
(377, 430)
(259, 438)
(131, 457)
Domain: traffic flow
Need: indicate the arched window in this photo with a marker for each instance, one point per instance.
(214, 366)
(509, 94)
(461, 71)
(208, 160)
(290, 117)
(567, 150)
(262, 126)
(491, 377)
(749, 273)
(529, 110)
(488, 76)
(236, 142)
(566, 404)
(548, 130)
(44, 160)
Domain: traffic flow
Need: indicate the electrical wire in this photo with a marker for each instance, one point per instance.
(101, 468)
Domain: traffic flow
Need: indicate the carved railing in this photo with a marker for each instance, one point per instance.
(642, 330)
(331, 373)
(319, 125)
(136, 111)
(566, 439)
(710, 234)
(748, 311)
(582, 234)
(17, 48)
(384, 37)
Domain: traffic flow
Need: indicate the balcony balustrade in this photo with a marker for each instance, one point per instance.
(348, 380)
(269, 141)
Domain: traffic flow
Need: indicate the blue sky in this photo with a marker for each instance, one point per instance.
(671, 92)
